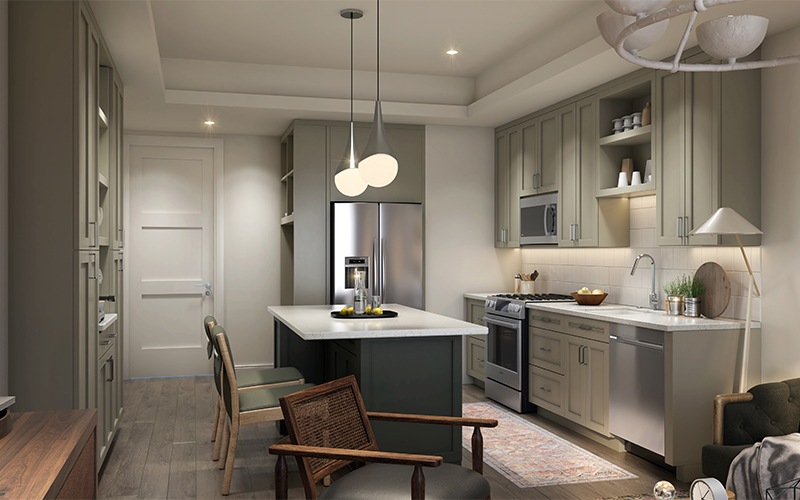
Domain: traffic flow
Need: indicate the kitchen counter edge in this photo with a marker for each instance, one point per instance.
(655, 320)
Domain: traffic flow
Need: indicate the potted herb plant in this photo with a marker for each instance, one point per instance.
(675, 291)
(692, 295)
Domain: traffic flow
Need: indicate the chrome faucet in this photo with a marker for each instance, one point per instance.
(654, 304)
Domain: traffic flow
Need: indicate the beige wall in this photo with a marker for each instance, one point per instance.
(252, 244)
(4, 197)
(459, 219)
(780, 206)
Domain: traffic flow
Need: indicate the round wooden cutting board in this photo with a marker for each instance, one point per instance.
(716, 289)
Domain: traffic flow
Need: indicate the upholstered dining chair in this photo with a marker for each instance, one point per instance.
(246, 379)
(243, 407)
(329, 429)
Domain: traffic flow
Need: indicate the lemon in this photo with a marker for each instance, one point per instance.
(350, 310)
(344, 310)
(584, 290)
(597, 291)
(377, 311)
(368, 310)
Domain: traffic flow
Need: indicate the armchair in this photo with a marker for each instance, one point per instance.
(743, 419)
(329, 429)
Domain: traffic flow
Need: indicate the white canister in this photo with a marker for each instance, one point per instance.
(637, 178)
(616, 125)
(623, 180)
(636, 119)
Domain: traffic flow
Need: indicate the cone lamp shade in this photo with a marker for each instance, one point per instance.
(726, 221)
(378, 165)
(348, 179)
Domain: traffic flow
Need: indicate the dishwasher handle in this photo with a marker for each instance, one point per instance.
(637, 343)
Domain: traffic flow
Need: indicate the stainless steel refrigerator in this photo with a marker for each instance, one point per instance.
(383, 239)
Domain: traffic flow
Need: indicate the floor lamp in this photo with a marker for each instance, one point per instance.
(728, 221)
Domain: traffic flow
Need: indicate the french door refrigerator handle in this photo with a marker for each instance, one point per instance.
(383, 269)
(374, 265)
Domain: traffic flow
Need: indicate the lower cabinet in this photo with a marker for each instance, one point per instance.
(568, 368)
(108, 400)
(476, 344)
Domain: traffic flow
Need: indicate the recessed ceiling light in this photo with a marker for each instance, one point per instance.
(209, 122)
(451, 52)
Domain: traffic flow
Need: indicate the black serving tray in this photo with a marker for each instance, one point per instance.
(386, 314)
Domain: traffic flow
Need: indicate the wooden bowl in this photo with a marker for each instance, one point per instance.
(589, 299)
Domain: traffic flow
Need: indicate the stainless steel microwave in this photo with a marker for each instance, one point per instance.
(538, 218)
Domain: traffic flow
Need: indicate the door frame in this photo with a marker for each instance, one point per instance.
(217, 145)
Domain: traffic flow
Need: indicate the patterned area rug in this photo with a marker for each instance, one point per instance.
(530, 456)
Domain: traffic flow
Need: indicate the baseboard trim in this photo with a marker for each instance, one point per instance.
(609, 442)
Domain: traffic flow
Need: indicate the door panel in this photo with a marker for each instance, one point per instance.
(549, 153)
(672, 144)
(172, 216)
(401, 254)
(355, 234)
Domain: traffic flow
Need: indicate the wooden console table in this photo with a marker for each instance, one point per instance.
(50, 454)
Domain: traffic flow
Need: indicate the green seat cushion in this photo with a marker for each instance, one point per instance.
(252, 378)
(387, 481)
(717, 458)
(267, 397)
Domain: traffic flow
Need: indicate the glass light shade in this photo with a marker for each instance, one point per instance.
(726, 221)
(732, 37)
(348, 179)
(637, 8)
(610, 24)
(378, 165)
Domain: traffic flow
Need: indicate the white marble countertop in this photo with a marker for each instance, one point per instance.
(634, 316)
(479, 295)
(316, 323)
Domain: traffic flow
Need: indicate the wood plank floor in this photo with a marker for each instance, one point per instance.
(163, 450)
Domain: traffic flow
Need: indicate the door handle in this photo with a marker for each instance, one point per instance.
(685, 226)
(679, 227)
(207, 285)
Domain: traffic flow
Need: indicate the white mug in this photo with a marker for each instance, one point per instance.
(623, 180)
(637, 178)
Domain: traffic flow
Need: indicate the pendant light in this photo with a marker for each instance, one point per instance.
(348, 180)
(378, 165)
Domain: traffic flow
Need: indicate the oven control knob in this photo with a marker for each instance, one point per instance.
(490, 304)
(513, 307)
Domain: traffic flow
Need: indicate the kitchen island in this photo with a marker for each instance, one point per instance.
(407, 364)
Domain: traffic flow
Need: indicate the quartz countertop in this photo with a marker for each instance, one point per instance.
(479, 295)
(646, 318)
(316, 323)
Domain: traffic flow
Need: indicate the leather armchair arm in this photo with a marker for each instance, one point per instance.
(720, 401)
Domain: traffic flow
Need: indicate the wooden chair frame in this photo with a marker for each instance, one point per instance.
(235, 418)
(219, 406)
(367, 453)
(720, 401)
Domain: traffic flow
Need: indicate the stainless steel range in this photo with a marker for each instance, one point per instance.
(507, 346)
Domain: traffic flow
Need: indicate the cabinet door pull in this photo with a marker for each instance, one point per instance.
(580, 354)
(679, 227)
(544, 389)
(685, 227)
(577, 232)
(111, 360)
(545, 350)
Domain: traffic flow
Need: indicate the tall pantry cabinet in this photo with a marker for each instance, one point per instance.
(65, 243)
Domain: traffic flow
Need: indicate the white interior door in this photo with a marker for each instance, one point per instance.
(174, 279)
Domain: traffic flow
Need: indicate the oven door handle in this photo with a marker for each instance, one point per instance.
(514, 325)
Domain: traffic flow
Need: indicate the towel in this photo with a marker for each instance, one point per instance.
(769, 463)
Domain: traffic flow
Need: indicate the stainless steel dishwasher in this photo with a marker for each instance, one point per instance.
(636, 386)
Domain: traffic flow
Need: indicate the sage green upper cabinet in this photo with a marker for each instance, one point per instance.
(709, 151)
(577, 220)
(507, 187)
(408, 145)
(540, 154)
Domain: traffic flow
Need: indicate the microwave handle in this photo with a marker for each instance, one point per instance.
(550, 220)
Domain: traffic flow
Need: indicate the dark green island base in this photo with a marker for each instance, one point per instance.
(412, 374)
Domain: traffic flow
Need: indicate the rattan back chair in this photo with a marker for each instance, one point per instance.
(329, 429)
(243, 407)
(247, 380)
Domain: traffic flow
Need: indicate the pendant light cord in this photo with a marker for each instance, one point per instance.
(378, 50)
(351, 71)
